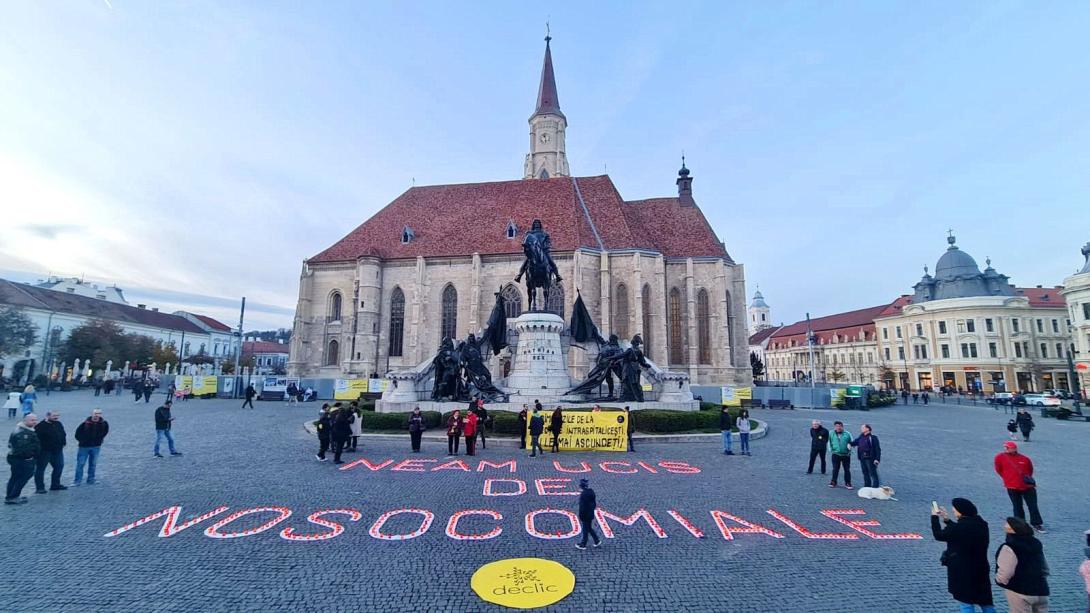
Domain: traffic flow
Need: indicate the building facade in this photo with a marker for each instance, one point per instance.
(428, 266)
(1076, 293)
(269, 358)
(760, 314)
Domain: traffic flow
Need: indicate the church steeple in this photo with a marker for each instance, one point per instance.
(547, 126)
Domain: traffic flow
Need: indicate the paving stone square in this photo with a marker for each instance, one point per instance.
(58, 558)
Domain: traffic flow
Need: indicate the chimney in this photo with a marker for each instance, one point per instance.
(141, 306)
(685, 186)
(155, 309)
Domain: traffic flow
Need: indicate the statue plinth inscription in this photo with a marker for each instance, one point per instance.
(539, 371)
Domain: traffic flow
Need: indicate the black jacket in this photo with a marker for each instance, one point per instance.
(342, 424)
(162, 418)
(416, 422)
(967, 570)
(325, 425)
(587, 503)
(1030, 575)
(1025, 421)
(726, 422)
(537, 425)
(819, 438)
(51, 435)
(556, 422)
(90, 433)
(23, 444)
(867, 447)
(250, 392)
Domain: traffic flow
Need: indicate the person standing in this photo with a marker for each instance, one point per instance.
(743, 425)
(537, 427)
(631, 427)
(726, 426)
(1012, 429)
(13, 403)
(90, 435)
(482, 421)
(23, 449)
(1021, 569)
(556, 426)
(819, 443)
(455, 424)
(869, 451)
(148, 389)
(163, 423)
(966, 555)
(1084, 569)
(840, 442)
(470, 431)
(342, 430)
(250, 393)
(588, 502)
(1016, 470)
(52, 439)
(926, 397)
(904, 396)
(1025, 423)
(28, 398)
(325, 430)
(356, 426)
(137, 390)
(97, 384)
(523, 417)
(417, 425)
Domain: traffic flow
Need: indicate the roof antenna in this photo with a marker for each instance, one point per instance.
(548, 35)
(414, 181)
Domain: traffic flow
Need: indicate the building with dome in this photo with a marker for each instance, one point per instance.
(961, 328)
(1077, 294)
(428, 264)
(760, 314)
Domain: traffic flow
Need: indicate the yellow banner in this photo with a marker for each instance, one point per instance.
(183, 383)
(733, 396)
(349, 389)
(205, 385)
(588, 431)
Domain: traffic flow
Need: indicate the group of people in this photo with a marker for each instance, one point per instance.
(727, 425)
(916, 397)
(867, 447)
(36, 445)
(472, 426)
(339, 428)
(1023, 422)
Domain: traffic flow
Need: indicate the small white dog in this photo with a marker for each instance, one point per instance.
(877, 493)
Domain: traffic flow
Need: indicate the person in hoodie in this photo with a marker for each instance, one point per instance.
(588, 502)
(1016, 471)
(23, 450)
(1021, 569)
(417, 425)
(869, 451)
(52, 437)
(90, 435)
(966, 555)
(537, 426)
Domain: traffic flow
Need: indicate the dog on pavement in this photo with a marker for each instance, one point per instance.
(877, 493)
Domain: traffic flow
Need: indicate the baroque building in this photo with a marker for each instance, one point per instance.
(1077, 294)
(384, 296)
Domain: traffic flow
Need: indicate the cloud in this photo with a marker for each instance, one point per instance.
(48, 231)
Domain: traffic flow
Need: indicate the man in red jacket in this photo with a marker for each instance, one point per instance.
(1016, 470)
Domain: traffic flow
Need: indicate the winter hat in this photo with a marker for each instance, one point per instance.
(583, 483)
(964, 506)
(1010, 445)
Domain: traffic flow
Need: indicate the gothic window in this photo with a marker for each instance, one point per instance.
(620, 311)
(448, 328)
(335, 306)
(556, 300)
(544, 174)
(730, 330)
(645, 302)
(407, 234)
(703, 328)
(397, 322)
(331, 356)
(677, 350)
(512, 301)
(512, 229)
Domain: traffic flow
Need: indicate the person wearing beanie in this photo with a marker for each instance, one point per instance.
(1016, 470)
(1021, 569)
(966, 555)
(588, 502)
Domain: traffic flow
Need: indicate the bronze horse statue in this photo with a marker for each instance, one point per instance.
(539, 268)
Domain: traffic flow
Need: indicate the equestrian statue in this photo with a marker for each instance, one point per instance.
(539, 267)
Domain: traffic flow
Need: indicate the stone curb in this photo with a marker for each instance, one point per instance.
(760, 431)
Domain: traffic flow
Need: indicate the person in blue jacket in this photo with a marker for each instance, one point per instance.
(870, 454)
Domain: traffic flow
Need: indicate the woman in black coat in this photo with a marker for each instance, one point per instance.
(556, 426)
(968, 570)
(342, 430)
(1025, 423)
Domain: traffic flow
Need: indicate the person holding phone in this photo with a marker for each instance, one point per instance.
(968, 569)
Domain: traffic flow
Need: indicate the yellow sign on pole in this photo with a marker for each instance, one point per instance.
(349, 389)
(588, 430)
(523, 583)
(733, 396)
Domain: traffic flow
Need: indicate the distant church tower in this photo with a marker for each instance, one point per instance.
(760, 314)
(547, 125)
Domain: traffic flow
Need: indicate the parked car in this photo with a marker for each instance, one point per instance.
(1001, 398)
(1061, 394)
(1041, 400)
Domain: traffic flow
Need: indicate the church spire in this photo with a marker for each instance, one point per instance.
(547, 157)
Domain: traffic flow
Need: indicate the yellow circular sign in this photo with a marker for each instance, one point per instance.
(523, 583)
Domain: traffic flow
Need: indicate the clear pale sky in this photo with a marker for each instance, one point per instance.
(205, 148)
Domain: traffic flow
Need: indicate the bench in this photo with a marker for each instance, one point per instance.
(779, 404)
(749, 403)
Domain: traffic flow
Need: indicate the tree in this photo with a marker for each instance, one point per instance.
(17, 332)
(756, 365)
(836, 374)
(163, 354)
(98, 340)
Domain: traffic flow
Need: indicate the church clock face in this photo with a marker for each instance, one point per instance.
(545, 138)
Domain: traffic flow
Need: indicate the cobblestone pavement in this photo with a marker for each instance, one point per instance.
(56, 549)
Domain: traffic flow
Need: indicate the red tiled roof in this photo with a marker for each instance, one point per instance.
(1047, 297)
(212, 323)
(458, 220)
(256, 347)
(847, 324)
(758, 337)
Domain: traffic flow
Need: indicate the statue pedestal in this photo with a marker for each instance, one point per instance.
(539, 371)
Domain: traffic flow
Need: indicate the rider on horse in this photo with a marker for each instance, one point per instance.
(537, 238)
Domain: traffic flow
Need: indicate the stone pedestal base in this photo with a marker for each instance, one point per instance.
(539, 371)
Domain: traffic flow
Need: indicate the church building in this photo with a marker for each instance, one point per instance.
(384, 296)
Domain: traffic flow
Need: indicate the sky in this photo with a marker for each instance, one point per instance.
(197, 152)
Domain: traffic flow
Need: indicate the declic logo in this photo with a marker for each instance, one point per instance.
(523, 583)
